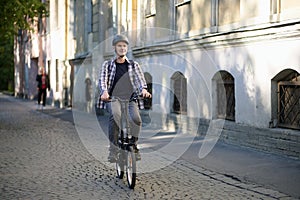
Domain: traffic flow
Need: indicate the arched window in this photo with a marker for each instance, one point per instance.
(88, 94)
(179, 84)
(88, 89)
(285, 88)
(225, 97)
(148, 102)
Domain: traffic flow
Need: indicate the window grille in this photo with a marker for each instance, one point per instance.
(289, 104)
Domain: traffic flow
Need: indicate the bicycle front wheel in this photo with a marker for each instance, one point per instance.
(120, 164)
(131, 168)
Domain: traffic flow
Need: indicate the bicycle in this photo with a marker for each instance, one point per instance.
(126, 157)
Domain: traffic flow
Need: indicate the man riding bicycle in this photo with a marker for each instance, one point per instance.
(122, 78)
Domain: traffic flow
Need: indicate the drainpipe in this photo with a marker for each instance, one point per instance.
(65, 82)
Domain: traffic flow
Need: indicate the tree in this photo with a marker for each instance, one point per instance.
(15, 15)
(19, 14)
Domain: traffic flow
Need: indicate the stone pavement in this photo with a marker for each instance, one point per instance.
(43, 157)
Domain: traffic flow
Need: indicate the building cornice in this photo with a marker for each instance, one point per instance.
(237, 37)
(80, 58)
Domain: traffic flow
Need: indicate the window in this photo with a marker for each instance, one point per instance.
(47, 28)
(288, 5)
(183, 14)
(179, 2)
(284, 10)
(225, 97)
(148, 102)
(179, 84)
(89, 14)
(150, 7)
(73, 23)
(286, 99)
(56, 20)
(229, 11)
(48, 67)
(57, 74)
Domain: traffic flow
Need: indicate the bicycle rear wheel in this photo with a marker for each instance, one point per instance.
(120, 164)
(131, 168)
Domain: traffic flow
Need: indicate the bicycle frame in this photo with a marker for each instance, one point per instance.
(126, 156)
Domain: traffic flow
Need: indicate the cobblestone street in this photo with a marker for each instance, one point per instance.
(42, 157)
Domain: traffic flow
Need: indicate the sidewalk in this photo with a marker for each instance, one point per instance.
(243, 164)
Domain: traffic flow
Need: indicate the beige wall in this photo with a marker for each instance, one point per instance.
(200, 14)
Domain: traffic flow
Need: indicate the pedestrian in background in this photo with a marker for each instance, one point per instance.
(43, 84)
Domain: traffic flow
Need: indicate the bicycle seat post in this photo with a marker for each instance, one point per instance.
(127, 121)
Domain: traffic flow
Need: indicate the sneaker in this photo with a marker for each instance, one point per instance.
(112, 157)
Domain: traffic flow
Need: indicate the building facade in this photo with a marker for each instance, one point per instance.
(204, 60)
(209, 60)
(248, 48)
(29, 55)
(50, 44)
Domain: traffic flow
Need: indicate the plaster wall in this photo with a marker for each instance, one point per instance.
(252, 65)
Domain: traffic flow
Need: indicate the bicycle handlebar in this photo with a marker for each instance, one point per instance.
(133, 98)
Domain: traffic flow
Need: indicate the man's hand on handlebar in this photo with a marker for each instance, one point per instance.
(105, 96)
(146, 94)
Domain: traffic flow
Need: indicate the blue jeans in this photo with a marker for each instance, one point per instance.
(114, 109)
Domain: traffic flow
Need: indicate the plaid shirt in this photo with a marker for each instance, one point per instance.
(107, 75)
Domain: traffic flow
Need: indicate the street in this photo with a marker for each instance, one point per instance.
(43, 157)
